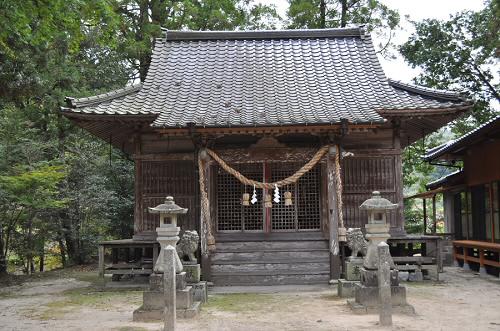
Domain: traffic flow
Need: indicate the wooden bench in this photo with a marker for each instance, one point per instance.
(139, 264)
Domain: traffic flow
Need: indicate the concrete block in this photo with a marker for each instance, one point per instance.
(403, 276)
(185, 297)
(200, 292)
(156, 300)
(416, 276)
(142, 315)
(193, 273)
(369, 277)
(369, 296)
(156, 281)
(353, 269)
(345, 288)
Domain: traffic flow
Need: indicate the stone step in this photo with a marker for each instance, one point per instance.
(270, 255)
(242, 279)
(310, 267)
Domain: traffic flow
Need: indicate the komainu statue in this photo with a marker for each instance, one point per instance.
(188, 245)
(356, 241)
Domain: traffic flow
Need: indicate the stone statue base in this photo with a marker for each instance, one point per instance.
(193, 272)
(154, 300)
(353, 268)
(345, 288)
(366, 294)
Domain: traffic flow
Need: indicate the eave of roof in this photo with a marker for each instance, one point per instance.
(74, 103)
(453, 145)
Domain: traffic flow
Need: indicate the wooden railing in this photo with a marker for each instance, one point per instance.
(464, 250)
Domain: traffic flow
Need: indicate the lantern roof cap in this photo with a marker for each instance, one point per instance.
(169, 207)
(376, 202)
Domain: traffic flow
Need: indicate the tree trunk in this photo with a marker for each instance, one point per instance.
(3, 258)
(62, 248)
(145, 58)
(29, 254)
(343, 14)
(322, 14)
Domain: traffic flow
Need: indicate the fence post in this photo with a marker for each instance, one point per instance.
(384, 284)
(169, 288)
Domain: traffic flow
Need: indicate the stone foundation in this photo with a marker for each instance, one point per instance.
(345, 288)
(366, 294)
(154, 300)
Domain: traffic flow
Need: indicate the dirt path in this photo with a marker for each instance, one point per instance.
(462, 301)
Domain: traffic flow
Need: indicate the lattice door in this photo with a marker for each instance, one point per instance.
(231, 215)
(302, 215)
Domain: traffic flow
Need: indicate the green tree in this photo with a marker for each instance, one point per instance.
(460, 53)
(143, 20)
(320, 14)
(25, 195)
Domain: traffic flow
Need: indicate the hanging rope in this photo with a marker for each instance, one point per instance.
(209, 244)
(339, 186)
(287, 181)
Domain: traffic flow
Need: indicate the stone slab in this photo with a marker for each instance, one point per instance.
(369, 277)
(200, 292)
(360, 309)
(369, 296)
(156, 300)
(416, 276)
(353, 269)
(345, 288)
(193, 273)
(156, 281)
(142, 315)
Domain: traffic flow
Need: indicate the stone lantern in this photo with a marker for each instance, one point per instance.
(377, 229)
(366, 294)
(168, 232)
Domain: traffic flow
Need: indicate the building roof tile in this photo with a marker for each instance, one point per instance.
(265, 78)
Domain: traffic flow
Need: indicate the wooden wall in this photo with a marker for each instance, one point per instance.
(166, 166)
(361, 175)
(170, 177)
(482, 163)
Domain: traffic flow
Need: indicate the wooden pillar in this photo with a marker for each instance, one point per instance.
(398, 175)
(434, 219)
(138, 210)
(333, 216)
(101, 261)
(424, 205)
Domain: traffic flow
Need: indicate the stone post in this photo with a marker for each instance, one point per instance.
(169, 289)
(384, 284)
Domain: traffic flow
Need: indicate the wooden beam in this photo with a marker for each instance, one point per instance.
(333, 216)
(434, 217)
(424, 205)
(398, 175)
(325, 128)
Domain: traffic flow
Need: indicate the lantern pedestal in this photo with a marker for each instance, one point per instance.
(154, 300)
(167, 235)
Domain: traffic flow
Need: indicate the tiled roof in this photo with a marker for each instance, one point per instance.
(444, 179)
(448, 146)
(267, 78)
